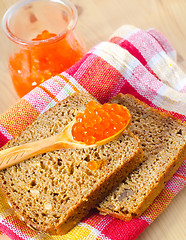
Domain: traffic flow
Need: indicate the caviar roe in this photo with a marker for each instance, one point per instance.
(99, 122)
(36, 63)
(92, 165)
(95, 165)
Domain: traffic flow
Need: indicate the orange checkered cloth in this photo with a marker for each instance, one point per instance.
(134, 61)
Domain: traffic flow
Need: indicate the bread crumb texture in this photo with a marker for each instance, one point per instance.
(47, 188)
(163, 140)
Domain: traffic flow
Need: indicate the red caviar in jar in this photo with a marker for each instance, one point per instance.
(36, 63)
(99, 122)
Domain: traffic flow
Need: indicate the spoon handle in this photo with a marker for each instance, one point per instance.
(11, 156)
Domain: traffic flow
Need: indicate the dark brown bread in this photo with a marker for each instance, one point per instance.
(54, 191)
(163, 140)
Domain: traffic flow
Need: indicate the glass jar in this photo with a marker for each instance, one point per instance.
(45, 42)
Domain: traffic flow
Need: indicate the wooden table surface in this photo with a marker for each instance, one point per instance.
(97, 20)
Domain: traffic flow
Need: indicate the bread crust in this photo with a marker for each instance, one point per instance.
(155, 191)
(162, 180)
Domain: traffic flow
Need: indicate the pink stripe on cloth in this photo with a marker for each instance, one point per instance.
(12, 235)
(5, 136)
(175, 184)
(103, 78)
(182, 169)
(127, 88)
(163, 42)
(11, 231)
(147, 43)
(78, 70)
(3, 139)
(115, 229)
(121, 230)
(137, 54)
(144, 83)
(150, 43)
(37, 100)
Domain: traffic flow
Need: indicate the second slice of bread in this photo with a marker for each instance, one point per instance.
(54, 191)
(163, 140)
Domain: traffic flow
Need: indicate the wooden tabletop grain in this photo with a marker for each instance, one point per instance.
(97, 20)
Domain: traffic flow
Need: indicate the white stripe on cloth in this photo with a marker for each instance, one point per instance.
(171, 100)
(5, 133)
(168, 71)
(145, 83)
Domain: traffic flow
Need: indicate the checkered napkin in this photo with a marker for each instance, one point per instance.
(133, 61)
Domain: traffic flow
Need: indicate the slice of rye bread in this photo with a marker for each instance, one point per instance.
(52, 192)
(163, 140)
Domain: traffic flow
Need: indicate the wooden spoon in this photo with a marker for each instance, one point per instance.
(63, 140)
